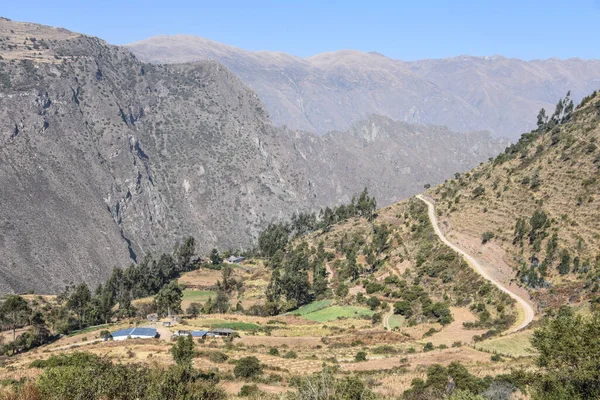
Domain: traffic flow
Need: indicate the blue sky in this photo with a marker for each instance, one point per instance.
(527, 29)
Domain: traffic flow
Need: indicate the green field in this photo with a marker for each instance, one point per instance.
(334, 312)
(312, 307)
(237, 326)
(516, 345)
(396, 321)
(190, 296)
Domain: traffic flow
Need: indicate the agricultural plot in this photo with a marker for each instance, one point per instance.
(312, 307)
(516, 345)
(335, 312)
(198, 296)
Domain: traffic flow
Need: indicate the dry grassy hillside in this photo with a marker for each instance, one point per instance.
(399, 258)
(539, 200)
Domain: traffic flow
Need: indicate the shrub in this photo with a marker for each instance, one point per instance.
(360, 356)
(248, 367)
(373, 303)
(249, 390)
(496, 357)
(487, 236)
(183, 350)
(290, 354)
(428, 346)
(273, 351)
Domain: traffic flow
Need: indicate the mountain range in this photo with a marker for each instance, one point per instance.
(330, 91)
(104, 159)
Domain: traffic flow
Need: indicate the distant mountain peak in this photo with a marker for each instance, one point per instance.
(331, 90)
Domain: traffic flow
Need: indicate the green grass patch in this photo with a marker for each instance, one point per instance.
(89, 329)
(237, 326)
(334, 312)
(396, 321)
(312, 307)
(516, 345)
(191, 296)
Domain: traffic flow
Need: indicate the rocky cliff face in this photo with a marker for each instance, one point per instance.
(330, 91)
(104, 158)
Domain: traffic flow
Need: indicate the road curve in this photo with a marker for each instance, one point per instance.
(528, 312)
(386, 318)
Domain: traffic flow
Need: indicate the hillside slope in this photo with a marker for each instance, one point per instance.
(330, 91)
(538, 201)
(107, 158)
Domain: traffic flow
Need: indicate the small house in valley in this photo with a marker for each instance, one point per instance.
(221, 332)
(235, 259)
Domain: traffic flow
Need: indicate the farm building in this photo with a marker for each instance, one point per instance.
(195, 334)
(221, 332)
(134, 333)
(235, 259)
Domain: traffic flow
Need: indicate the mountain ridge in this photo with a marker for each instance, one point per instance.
(104, 153)
(329, 91)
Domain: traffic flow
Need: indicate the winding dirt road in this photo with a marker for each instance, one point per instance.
(386, 318)
(528, 312)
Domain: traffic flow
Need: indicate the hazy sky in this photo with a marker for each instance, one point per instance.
(400, 29)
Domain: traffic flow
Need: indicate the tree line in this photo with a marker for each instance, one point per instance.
(276, 236)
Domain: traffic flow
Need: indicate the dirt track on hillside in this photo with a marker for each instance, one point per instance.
(527, 310)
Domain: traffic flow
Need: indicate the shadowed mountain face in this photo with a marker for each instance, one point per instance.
(330, 91)
(104, 158)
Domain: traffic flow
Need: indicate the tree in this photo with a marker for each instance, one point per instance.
(168, 299)
(227, 282)
(569, 355)
(183, 350)
(221, 304)
(565, 261)
(79, 301)
(215, 257)
(194, 309)
(373, 303)
(186, 251)
(248, 367)
(542, 119)
(274, 238)
(14, 312)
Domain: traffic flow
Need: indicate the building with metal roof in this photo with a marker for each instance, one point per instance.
(134, 333)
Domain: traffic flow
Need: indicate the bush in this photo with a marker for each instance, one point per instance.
(373, 303)
(290, 354)
(214, 356)
(487, 236)
(249, 390)
(496, 357)
(248, 367)
(360, 356)
(428, 346)
(183, 350)
(273, 351)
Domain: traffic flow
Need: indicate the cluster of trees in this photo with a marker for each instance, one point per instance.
(77, 306)
(545, 123)
(455, 382)
(416, 306)
(276, 236)
(290, 286)
(568, 360)
(15, 313)
(87, 376)
(562, 113)
(147, 278)
(535, 230)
